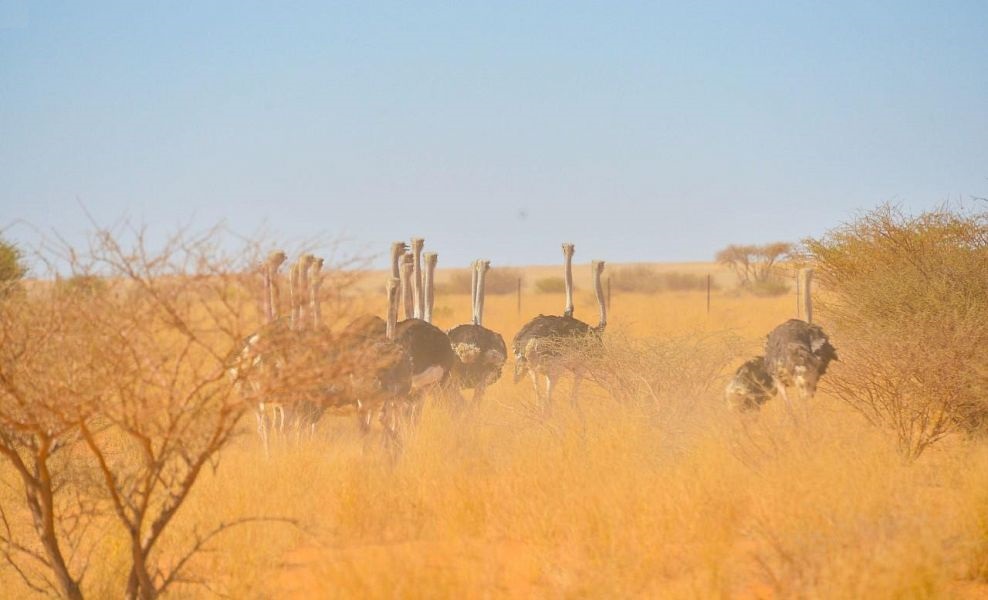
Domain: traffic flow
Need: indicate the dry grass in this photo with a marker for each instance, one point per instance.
(667, 496)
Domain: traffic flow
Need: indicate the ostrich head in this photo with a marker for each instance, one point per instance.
(417, 245)
(271, 266)
(398, 250)
(568, 251)
(429, 285)
(751, 386)
(598, 290)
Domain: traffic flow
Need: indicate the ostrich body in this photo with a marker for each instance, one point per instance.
(751, 386)
(543, 347)
(798, 353)
(481, 352)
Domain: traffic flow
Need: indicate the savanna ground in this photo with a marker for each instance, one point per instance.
(651, 489)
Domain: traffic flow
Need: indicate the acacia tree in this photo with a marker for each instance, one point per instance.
(46, 387)
(753, 264)
(131, 381)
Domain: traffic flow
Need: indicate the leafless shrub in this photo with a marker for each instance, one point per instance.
(908, 299)
(754, 263)
(649, 372)
(132, 385)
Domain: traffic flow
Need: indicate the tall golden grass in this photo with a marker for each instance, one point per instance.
(655, 492)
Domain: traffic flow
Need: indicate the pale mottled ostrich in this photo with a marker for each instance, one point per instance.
(797, 353)
(481, 351)
(544, 346)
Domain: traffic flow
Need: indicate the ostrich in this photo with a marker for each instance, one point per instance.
(258, 353)
(542, 345)
(481, 351)
(381, 379)
(796, 353)
(432, 356)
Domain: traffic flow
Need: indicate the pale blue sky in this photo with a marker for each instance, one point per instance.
(639, 131)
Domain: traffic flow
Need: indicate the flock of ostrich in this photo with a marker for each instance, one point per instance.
(294, 367)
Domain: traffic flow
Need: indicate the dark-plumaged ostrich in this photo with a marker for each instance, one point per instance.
(428, 346)
(547, 346)
(481, 351)
(380, 377)
(797, 353)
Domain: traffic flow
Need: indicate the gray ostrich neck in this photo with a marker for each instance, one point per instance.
(397, 252)
(473, 294)
(407, 295)
(430, 286)
(315, 310)
(392, 321)
(268, 297)
(482, 267)
(293, 295)
(417, 279)
(598, 290)
(807, 290)
(568, 278)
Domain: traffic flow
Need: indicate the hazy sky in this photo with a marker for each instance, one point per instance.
(639, 131)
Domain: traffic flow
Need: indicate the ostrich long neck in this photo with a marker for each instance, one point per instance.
(482, 266)
(807, 277)
(598, 290)
(431, 258)
(417, 245)
(303, 291)
(315, 281)
(397, 251)
(568, 277)
(407, 295)
(473, 294)
(268, 298)
(392, 322)
(293, 294)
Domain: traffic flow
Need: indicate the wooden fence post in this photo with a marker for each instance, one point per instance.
(519, 295)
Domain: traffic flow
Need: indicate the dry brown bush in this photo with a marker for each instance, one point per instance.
(501, 280)
(907, 301)
(647, 280)
(113, 403)
(550, 285)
